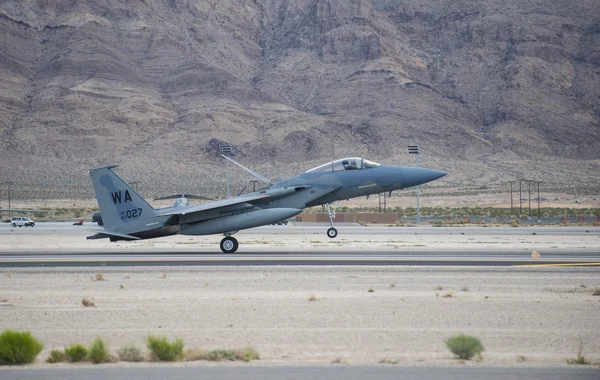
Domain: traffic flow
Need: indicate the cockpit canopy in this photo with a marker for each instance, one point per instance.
(351, 163)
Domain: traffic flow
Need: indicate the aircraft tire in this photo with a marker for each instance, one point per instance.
(229, 244)
(332, 233)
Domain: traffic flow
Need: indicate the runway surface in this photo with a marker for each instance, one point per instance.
(333, 372)
(308, 258)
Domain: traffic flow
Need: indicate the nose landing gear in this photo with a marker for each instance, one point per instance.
(331, 232)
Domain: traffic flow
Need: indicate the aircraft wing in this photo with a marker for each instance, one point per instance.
(265, 195)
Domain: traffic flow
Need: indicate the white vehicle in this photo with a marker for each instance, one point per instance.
(22, 221)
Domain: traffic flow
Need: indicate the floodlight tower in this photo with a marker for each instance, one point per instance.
(226, 149)
(414, 149)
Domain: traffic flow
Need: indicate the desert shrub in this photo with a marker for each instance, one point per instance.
(130, 353)
(56, 356)
(18, 347)
(99, 352)
(246, 354)
(76, 352)
(596, 292)
(580, 359)
(464, 346)
(163, 350)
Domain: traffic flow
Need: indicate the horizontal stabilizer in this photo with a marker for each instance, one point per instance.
(103, 234)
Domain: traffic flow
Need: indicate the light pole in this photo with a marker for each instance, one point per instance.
(224, 149)
(414, 149)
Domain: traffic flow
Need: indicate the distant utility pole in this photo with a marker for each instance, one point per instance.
(529, 184)
(135, 183)
(226, 149)
(253, 185)
(538, 199)
(414, 149)
(9, 212)
(520, 199)
(511, 197)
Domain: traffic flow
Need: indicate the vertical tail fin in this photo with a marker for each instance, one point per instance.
(122, 209)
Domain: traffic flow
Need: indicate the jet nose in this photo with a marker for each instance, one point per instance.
(419, 176)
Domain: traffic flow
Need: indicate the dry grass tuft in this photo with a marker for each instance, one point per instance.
(87, 302)
(194, 354)
(439, 287)
(130, 353)
(99, 277)
(313, 298)
(388, 361)
(449, 295)
(9, 275)
(465, 289)
(371, 290)
(338, 361)
(521, 358)
(580, 359)
(164, 276)
(596, 292)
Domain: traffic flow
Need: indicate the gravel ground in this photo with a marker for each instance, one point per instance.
(540, 313)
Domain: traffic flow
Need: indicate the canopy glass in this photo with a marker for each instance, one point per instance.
(351, 163)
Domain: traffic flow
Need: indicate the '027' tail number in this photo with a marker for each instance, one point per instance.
(130, 214)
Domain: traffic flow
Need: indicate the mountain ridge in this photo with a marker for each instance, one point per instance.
(492, 91)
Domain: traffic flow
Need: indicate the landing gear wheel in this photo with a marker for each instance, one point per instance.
(229, 244)
(332, 232)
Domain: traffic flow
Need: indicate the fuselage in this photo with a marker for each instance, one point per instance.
(310, 189)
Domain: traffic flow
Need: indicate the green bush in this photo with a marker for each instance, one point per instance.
(163, 350)
(76, 352)
(99, 352)
(56, 356)
(130, 353)
(464, 346)
(18, 347)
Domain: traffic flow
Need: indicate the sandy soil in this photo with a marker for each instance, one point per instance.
(540, 313)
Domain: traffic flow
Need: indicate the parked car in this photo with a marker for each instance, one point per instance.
(22, 221)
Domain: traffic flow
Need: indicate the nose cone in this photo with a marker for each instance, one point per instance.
(419, 176)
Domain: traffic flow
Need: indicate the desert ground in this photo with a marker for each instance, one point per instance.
(535, 317)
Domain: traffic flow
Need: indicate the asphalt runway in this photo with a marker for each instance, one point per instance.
(333, 372)
(291, 256)
(308, 258)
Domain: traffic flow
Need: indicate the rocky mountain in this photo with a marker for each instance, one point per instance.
(491, 90)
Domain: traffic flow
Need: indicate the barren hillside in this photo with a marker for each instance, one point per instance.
(491, 89)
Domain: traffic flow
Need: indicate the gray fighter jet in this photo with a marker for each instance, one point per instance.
(127, 216)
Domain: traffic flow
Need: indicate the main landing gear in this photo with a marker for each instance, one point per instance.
(229, 244)
(331, 232)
